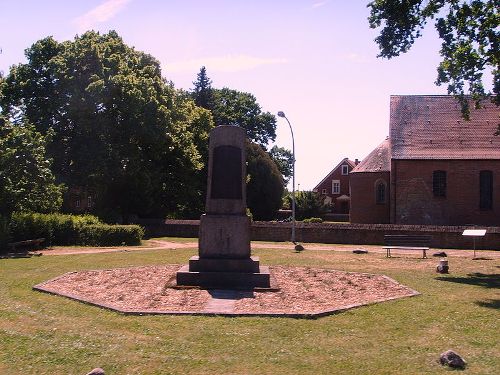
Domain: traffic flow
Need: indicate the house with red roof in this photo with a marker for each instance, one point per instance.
(435, 168)
(334, 188)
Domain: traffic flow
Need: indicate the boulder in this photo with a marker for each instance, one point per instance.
(452, 359)
(96, 371)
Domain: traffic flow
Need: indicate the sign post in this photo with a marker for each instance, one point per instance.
(474, 233)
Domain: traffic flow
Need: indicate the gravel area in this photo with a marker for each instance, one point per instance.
(302, 291)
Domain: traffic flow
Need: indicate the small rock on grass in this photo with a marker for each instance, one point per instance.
(360, 251)
(452, 359)
(96, 371)
(299, 247)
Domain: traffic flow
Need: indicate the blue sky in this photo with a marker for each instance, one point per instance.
(315, 60)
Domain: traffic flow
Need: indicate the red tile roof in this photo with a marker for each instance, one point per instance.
(379, 160)
(432, 127)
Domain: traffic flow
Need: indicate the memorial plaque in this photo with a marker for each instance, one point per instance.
(226, 173)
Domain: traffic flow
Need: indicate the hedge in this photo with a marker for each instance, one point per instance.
(57, 229)
(60, 229)
(110, 235)
(313, 220)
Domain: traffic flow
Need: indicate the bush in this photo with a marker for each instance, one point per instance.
(59, 229)
(308, 204)
(313, 220)
(110, 235)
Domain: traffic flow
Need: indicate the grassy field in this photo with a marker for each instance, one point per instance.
(45, 334)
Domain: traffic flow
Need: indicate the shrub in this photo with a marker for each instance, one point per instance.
(313, 220)
(110, 235)
(57, 229)
(308, 204)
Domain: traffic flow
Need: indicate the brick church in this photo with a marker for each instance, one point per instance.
(435, 168)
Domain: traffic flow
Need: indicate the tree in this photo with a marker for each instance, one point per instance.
(284, 161)
(26, 181)
(233, 107)
(308, 204)
(203, 92)
(470, 34)
(119, 127)
(264, 185)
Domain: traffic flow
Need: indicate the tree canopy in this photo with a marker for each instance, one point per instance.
(232, 107)
(117, 125)
(284, 161)
(470, 39)
(202, 92)
(26, 181)
(264, 185)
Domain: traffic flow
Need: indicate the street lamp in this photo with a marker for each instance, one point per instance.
(282, 114)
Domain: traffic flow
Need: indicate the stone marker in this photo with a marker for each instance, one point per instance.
(442, 267)
(224, 259)
(452, 359)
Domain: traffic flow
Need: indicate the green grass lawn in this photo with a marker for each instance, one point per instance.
(45, 334)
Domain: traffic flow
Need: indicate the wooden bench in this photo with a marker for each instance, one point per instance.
(407, 242)
(25, 245)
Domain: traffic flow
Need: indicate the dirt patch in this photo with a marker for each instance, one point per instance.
(303, 291)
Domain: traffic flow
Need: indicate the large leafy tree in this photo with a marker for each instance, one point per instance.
(284, 161)
(232, 107)
(119, 127)
(264, 185)
(469, 31)
(26, 181)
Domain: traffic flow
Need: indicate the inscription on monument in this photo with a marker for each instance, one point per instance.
(226, 173)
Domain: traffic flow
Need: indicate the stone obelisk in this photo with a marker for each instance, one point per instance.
(224, 259)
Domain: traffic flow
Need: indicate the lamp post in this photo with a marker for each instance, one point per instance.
(282, 114)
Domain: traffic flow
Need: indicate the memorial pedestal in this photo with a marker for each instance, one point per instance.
(224, 260)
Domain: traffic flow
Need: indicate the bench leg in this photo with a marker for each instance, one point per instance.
(388, 255)
(425, 254)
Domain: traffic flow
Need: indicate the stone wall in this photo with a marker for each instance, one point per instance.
(361, 234)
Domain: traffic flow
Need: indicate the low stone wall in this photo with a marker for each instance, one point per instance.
(445, 237)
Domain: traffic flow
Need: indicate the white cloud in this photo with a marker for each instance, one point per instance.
(229, 63)
(99, 14)
(319, 4)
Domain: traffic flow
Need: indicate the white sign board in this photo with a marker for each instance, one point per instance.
(474, 232)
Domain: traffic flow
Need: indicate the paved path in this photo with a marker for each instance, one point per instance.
(222, 301)
(169, 245)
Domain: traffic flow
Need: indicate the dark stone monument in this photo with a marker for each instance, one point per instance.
(224, 259)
